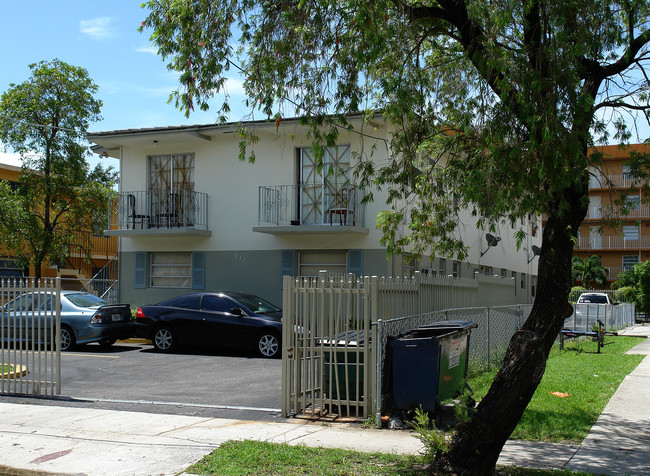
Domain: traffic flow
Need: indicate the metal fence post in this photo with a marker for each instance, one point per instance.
(487, 333)
(379, 345)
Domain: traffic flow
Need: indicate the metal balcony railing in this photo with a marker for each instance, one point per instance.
(606, 212)
(612, 242)
(153, 209)
(283, 205)
(619, 181)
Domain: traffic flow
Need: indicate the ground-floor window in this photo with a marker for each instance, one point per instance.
(310, 263)
(170, 270)
(456, 269)
(408, 265)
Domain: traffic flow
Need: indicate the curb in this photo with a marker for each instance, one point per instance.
(135, 340)
(17, 372)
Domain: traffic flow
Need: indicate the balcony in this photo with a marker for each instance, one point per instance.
(612, 243)
(298, 209)
(617, 181)
(607, 213)
(159, 213)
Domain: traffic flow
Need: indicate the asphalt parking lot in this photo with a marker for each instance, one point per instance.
(205, 381)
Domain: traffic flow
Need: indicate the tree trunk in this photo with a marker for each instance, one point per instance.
(477, 444)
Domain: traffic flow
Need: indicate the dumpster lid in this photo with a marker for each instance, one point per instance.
(350, 338)
(451, 325)
(439, 329)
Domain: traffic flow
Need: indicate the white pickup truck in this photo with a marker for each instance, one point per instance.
(594, 298)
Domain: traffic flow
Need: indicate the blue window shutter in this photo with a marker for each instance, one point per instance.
(355, 262)
(288, 263)
(140, 279)
(198, 270)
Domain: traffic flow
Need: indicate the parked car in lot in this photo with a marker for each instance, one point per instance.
(85, 318)
(226, 319)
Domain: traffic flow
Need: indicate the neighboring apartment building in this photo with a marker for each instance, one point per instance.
(79, 268)
(620, 247)
(192, 216)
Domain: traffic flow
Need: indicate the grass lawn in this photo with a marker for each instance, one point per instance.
(262, 458)
(589, 379)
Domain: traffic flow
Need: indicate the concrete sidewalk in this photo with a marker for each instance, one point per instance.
(86, 441)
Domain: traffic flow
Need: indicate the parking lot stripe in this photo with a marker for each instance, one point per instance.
(91, 355)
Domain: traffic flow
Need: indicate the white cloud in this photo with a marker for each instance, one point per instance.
(234, 87)
(147, 49)
(97, 28)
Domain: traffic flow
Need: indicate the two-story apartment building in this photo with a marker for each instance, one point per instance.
(619, 247)
(191, 215)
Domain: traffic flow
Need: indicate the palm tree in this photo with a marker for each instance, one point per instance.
(589, 270)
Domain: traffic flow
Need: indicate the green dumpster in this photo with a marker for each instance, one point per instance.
(343, 366)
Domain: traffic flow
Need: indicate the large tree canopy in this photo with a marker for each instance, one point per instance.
(45, 120)
(493, 103)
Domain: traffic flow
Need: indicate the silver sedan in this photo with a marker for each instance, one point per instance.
(85, 318)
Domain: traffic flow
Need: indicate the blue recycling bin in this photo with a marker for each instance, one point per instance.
(429, 365)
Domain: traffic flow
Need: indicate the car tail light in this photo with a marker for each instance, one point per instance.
(140, 314)
(98, 318)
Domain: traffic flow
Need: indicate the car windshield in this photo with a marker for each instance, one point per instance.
(593, 299)
(256, 304)
(86, 300)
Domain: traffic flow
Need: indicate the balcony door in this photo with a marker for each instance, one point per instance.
(322, 183)
(595, 238)
(171, 183)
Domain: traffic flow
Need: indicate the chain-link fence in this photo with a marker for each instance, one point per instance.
(585, 317)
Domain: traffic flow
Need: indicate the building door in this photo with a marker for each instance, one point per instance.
(595, 238)
(595, 207)
(171, 183)
(322, 184)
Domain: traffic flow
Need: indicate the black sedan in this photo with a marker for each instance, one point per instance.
(224, 319)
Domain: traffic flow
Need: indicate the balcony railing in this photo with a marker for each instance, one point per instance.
(613, 242)
(606, 212)
(619, 181)
(286, 205)
(159, 210)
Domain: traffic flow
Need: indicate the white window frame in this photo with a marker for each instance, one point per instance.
(628, 261)
(630, 232)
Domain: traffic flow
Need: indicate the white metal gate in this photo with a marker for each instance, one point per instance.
(30, 325)
(326, 347)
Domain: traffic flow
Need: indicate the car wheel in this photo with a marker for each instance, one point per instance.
(268, 345)
(67, 338)
(164, 339)
(106, 343)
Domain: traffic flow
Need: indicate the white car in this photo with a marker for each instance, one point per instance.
(594, 298)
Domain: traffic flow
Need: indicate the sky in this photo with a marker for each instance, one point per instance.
(102, 37)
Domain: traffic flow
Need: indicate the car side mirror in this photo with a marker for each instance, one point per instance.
(237, 312)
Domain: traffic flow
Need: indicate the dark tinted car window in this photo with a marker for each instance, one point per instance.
(42, 302)
(255, 303)
(185, 302)
(217, 304)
